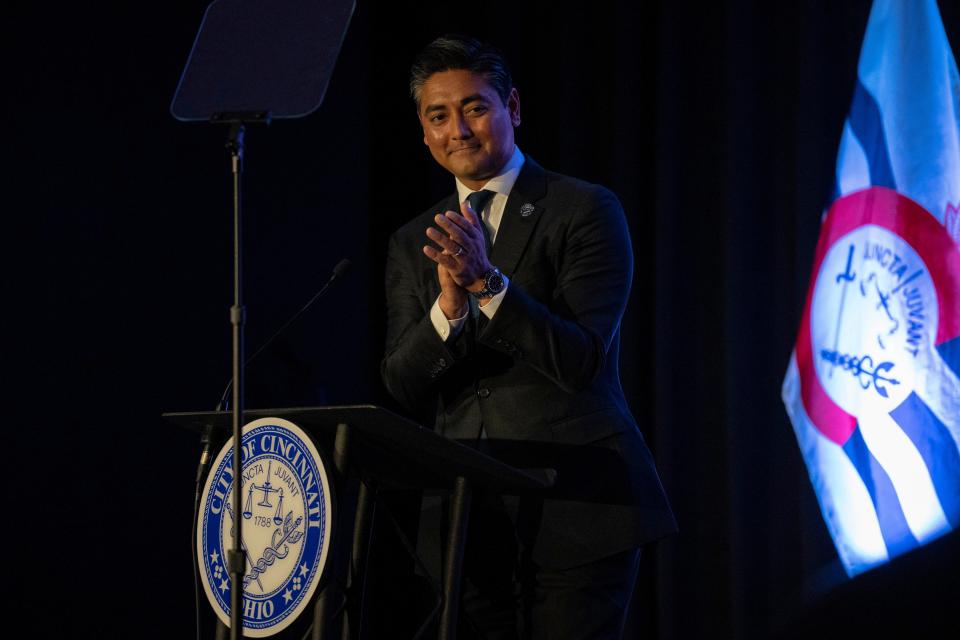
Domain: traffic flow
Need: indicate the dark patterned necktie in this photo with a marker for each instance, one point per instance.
(478, 200)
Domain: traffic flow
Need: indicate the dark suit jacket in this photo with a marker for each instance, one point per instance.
(541, 378)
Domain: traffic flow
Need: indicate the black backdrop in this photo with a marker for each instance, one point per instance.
(717, 124)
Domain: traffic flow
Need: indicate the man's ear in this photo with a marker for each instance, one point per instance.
(513, 106)
(420, 122)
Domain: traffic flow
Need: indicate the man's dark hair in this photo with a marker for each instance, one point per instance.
(452, 52)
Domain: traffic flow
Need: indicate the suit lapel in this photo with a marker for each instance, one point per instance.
(520, 216)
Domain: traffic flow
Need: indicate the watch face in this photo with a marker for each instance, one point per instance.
(495, 282)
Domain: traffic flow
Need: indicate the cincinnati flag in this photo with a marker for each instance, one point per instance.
(873, 385)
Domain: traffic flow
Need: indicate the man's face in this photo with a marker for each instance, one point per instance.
(467, 127)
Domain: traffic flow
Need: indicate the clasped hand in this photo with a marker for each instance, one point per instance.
(461, 257)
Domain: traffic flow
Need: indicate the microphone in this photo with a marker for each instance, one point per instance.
(342, 267)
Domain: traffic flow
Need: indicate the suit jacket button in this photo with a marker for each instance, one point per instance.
(442, 362)
(484, 393)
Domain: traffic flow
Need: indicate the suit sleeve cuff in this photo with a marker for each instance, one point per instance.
(445, 328)
(491, 307)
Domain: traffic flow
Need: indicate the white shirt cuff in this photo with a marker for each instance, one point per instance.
(491, 307)
(446, 329)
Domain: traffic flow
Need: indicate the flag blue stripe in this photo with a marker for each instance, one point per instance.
(893, 524)
(950, 353)
(867, 126)
(937, 448)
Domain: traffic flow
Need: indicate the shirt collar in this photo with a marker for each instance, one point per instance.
(502, 182)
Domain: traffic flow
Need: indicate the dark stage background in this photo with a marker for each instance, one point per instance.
(716, 123)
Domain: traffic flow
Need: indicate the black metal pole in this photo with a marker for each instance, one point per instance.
(453, 565)
(237, 313)
(332, 598)
(353, 614)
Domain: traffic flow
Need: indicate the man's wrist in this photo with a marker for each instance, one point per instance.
(480, 282)
(453, 308)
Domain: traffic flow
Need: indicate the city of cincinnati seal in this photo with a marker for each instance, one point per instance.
(882, 308)
(287, 520)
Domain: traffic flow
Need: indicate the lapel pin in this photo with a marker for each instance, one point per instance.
(526, 210)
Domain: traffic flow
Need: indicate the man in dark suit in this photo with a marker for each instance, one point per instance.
(504, 330)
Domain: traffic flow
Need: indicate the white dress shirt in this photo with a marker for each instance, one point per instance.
(492, 214)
